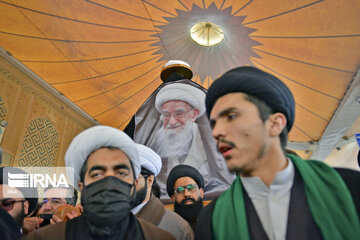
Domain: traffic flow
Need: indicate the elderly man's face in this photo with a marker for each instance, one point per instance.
(106, 162)
(53, 199)
(175, 114)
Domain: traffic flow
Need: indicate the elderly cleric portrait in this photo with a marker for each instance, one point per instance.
(173, 123)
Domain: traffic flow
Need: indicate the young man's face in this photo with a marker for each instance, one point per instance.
(241, 136)
(106, 162)
(188, 194)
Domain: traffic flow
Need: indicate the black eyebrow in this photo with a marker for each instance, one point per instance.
(222, 114)
(121, 166)
(97, 167)
(226, 112)
(103, 168)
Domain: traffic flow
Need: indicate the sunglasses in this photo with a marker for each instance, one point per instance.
(190, 187)
(8, 203)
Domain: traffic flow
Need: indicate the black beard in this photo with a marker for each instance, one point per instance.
(140, 196)
(19, 218)
(189, 212)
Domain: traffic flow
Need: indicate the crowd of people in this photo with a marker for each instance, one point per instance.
(274, 195)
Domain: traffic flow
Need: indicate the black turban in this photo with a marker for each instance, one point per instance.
(253, 81)
(30, 193)
(183, 171)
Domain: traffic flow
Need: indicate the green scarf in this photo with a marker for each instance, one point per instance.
(329, 199)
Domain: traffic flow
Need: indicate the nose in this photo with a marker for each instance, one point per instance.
(110, 173)
(186, 192)
(218, 130)
(47, 206)
(172, 121)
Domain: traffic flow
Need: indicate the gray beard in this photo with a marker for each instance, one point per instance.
(175, 142)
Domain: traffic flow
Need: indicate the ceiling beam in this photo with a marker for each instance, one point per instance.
(345, 115)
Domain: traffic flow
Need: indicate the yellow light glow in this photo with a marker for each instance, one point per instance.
(206, 34)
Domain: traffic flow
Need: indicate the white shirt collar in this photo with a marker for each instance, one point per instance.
(283, 180)
(136, 209)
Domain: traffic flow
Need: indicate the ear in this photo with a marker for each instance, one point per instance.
(193, 114)
(202, 192)
(26, 207)
(150, 181)
(173, 198)
(137, 182)
(277, 124)
(80, 185)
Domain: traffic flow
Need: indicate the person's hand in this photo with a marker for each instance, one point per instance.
(55, 219)
(31, 223)
(72, 215)
(80, 207)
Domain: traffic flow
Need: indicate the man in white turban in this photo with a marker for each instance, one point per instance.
(106, 164)
(178, 141)
(172, 123)
(150, 208)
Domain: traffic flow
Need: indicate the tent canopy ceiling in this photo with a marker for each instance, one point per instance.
(106, 56)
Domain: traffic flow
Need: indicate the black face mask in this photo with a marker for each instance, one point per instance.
(106, 201)
(190, 212)
(46, 220)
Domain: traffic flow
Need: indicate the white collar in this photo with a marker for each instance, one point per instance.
(136, 209)
(283, 181)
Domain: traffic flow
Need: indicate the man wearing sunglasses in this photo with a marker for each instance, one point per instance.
(185, 187)
(17, 202)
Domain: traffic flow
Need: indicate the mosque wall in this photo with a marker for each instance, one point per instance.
(36, 127)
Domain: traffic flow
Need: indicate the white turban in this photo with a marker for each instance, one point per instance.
(97, 137)
(183, 92)
(149, 159)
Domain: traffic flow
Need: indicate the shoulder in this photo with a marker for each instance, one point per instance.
(53, 232)
(151, 231)
(176, 225)
(352, 181)
(204, 224)
(348, 173)
(172, 216)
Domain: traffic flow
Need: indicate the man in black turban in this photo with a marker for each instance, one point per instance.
(274, 196)
(185, 186)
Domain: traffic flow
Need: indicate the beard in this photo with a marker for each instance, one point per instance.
(19, 218)
(175, 142)
(140, 196)
(248, 167)
(190, 212)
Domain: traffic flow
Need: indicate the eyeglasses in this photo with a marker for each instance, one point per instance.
(190, 187)
(8, 203)
(178, 114)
